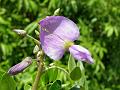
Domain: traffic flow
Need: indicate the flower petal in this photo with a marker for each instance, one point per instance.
(53, 46)
(80, 53)
(61, 26)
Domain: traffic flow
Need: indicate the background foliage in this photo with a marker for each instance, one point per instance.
(99, 23)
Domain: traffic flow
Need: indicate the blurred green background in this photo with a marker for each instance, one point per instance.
(99, 23)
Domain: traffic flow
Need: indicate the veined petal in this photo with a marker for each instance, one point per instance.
(53, 46)
(80, 53)
(61, 26)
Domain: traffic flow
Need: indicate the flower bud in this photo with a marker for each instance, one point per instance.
(56, 12)
(20, 32)
(20, 66)
(36, 49)
(40, 54)
(37, 33)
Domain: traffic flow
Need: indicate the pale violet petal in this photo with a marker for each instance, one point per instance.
(61, 26)
(80, 53)
(53, 46)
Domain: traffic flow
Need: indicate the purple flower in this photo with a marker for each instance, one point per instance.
(57, 34)
(20, 66)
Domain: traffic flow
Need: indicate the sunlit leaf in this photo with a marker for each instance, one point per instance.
(7, 83)
(52, 74)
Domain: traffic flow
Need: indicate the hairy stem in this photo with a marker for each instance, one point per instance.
(39, 73)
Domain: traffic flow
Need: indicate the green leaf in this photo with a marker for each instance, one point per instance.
(7, 83)
(71, 63)
(1, 74)
(27, 87)
(33, 6)
(44, 79)
(52, 74)
(80, 64)
(110, 32)
(20, 4)
(75, 74)
(86, 85)
(82, 79)
(116, 31)
(4, 21)
(56, 85)
(26, 4)
(2, 11)
(32, 26)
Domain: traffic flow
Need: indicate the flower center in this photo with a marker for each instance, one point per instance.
(68, 44)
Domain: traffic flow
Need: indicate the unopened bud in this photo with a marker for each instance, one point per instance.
(36, 49)
(20, 66)
(56, 12)
(37, 33)
(40, 54)
(20, 32)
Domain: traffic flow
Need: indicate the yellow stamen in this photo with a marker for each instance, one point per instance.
(68, 44)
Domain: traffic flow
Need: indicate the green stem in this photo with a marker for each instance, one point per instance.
(35, 40)
(39, 73)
